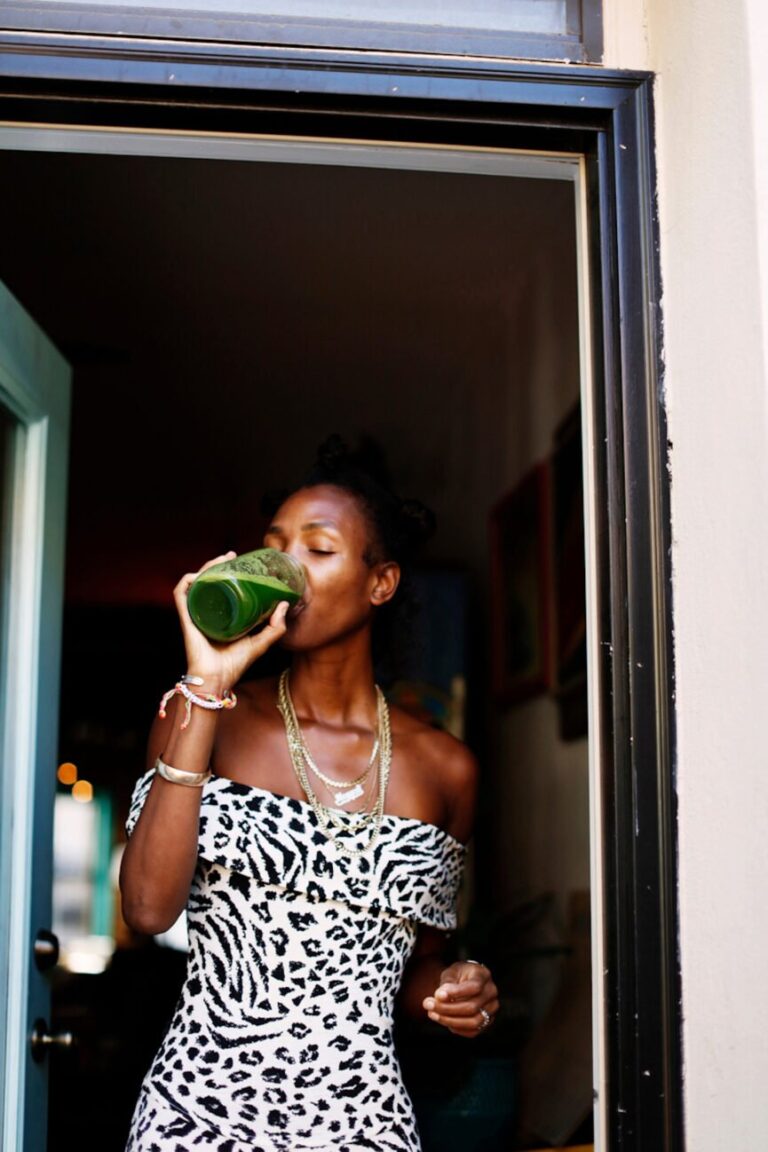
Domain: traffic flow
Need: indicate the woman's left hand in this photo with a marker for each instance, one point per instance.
(466, 1000)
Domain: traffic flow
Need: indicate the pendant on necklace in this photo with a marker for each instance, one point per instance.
(348, 796)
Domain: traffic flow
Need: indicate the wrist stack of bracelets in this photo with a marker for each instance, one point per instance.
(210, 703)
(208, 700)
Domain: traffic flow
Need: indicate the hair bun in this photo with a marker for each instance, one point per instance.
(333, 455)
(402, 526)
(418, 522)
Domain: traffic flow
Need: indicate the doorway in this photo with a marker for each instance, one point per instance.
(606, 119)
(221, 319)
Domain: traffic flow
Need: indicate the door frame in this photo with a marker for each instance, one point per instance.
(607, 118)
(35, 390)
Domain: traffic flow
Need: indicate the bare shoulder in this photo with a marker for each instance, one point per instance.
(434, 745)
(444, 764)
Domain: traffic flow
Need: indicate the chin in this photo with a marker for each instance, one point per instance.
(293, 640)
(302, 637)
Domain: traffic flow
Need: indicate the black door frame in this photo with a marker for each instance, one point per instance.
(607, 117)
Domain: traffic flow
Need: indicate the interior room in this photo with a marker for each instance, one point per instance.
(222, 318)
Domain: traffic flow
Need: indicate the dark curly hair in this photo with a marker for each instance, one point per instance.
(399, 528)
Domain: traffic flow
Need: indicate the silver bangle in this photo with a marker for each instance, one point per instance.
(179, 776)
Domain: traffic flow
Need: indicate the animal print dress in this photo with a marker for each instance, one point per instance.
(282, 1037)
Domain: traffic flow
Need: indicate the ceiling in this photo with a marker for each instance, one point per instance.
(223, 317)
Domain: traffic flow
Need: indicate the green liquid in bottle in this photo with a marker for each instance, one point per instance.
(229, 599)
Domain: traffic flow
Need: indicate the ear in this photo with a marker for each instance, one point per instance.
(386, 580)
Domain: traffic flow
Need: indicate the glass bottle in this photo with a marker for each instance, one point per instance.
(229, 599)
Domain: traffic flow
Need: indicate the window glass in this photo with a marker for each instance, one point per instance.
(542, 16)
(537, 29)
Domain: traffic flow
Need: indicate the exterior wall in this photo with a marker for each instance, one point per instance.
(712, 125)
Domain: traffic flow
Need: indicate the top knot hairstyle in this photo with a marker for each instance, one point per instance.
(399, 528)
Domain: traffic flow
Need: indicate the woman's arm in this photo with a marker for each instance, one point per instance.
(160, 857)
(159, 860)
(461, 995)
(422, 972)
(455, 996)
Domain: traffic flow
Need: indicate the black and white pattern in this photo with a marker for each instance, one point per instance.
(282, 1037)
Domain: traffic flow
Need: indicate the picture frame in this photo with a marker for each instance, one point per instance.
(521, 633)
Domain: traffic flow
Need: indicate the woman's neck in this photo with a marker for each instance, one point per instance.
(335, 687)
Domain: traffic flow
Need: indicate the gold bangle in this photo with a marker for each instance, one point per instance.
(180, 776)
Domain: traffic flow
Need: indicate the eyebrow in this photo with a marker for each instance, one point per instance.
(313, 524)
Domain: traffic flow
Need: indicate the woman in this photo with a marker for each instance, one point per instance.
(319, 864)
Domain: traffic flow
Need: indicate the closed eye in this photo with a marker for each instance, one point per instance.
(321, 552)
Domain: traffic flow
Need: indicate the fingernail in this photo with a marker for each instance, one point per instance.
(434, 1016)
(429, 1004)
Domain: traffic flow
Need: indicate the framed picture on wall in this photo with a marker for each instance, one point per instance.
(521, 644)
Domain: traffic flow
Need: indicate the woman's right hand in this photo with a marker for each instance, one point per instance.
(222, 665)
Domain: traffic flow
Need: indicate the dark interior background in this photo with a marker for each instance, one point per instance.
(221, 319)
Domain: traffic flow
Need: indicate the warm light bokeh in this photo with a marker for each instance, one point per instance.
(82, 791)
(67, 773)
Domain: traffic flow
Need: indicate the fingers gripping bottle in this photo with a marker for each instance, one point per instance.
(229, 599)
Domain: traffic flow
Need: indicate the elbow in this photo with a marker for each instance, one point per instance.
(148, 907)
(149, 917)
(146, 912)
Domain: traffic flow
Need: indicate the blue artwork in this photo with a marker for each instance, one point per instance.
(433, 681)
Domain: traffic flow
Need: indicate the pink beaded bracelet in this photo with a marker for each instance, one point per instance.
(208, 701)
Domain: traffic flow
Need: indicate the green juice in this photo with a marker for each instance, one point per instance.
(229, 599)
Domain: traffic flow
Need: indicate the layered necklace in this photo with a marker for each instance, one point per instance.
(342, 791)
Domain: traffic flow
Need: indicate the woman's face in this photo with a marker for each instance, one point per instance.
(326, 529)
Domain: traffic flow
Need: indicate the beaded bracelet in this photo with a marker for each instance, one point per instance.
(208, 701)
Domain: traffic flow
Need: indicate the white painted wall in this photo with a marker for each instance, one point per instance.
(538, 817)
(711, 61)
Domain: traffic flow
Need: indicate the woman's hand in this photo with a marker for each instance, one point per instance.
(222, 665)
(466, 1000)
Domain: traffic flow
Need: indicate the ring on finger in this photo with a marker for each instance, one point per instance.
(486, 1019)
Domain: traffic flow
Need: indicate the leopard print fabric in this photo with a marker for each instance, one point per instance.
(282, 1037)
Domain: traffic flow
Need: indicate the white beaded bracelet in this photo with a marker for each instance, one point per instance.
(179, 776)
(209, 701)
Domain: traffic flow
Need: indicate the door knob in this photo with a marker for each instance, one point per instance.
(42, 1040)
(46, 950)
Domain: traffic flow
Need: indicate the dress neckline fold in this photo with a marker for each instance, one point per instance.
(304, 805)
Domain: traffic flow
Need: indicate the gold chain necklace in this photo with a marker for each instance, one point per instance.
(343, 791)
(350, 789)
(365, 789)
(326, 817)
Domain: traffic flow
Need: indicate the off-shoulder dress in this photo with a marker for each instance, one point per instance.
(282, 1037)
